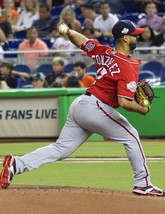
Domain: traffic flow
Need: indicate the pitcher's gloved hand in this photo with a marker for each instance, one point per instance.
(144, 94)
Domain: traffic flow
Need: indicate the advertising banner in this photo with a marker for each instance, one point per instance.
(32, 117)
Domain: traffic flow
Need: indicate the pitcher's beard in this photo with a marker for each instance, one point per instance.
(132, 46)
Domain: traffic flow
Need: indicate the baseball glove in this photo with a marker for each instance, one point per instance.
(144, 94)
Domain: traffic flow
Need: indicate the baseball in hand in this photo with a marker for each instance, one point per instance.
(63, 29)
(145, 103)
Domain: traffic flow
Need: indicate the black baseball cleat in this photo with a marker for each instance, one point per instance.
(149, 191)
(7, 172)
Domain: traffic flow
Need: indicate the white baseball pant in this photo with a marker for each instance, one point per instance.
(88, 115)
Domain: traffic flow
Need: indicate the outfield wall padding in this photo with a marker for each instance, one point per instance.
(150, 125)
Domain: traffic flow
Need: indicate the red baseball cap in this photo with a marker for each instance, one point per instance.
(125, 27)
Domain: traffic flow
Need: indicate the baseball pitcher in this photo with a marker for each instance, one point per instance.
(96, 110)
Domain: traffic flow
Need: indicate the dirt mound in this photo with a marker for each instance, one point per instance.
(70, 200)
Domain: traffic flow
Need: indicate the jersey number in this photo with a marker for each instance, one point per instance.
(114, 69)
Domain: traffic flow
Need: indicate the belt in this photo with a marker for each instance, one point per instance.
(87, 93)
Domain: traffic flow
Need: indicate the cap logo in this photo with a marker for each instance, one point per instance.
(125, 31)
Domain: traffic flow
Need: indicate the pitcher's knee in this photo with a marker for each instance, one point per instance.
(135, 134)
(62, 151)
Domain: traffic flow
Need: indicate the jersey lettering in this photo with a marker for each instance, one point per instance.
(108, 62)
(103, 60)
(114, 69)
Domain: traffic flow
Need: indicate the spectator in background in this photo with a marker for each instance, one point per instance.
(63, 43)
(51, 3)
(38, 81)
(141, 4)
(71, 3)
(18, 5)
(73, 82)
(9, 13)
(33, 43)
(46, 24)
(54, 78)
(87, 23)
(1, 3)
(55, 3)
(152, 18)
(2, 42)
(28, 15)
(117, 6)
(89, 32)
(8, 75)
(145, 39)
(2, 36)
(89, 14)
(95, 3)
(68, 16)
(159, 40)
(103, 23)
(79, 71)
(7, 30)
(9, 80)
(3, 85)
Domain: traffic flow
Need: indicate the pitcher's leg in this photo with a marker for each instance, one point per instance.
(71, 137)
(137, 159)
(126, 134)
(113, 125)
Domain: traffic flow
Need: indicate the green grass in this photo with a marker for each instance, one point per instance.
(88, 149)
(98, 175)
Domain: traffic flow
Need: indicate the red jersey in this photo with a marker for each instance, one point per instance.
(117, 74)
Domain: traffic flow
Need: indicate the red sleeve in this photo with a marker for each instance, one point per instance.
(92, 47)
(127, 82)
(126, 89)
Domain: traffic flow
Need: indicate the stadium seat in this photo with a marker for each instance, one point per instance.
(20, 34)
(107, 41)
(156, 67)
(26, 83)
(68, 68)
(134, 17)
(80, 19)
(49, 42)
(92, 68)
(56, 11)
(77, 11)
(111, 42)
(46, 69)
(22, 68)
(132, 8)
(145, 74)
(150, 76)
(11, 45)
